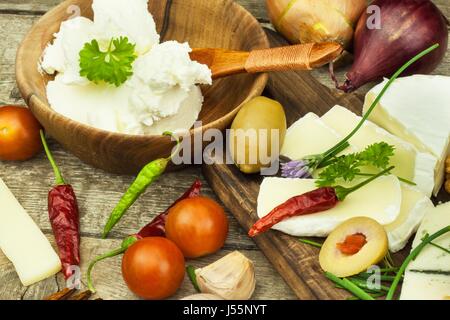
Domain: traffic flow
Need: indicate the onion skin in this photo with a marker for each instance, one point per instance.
(316, 21)
(407, 28)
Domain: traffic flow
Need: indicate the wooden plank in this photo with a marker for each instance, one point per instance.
(110, 285)
(38, 7)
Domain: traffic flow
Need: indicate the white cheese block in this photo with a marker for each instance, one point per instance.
(409, 163)
(308, 136)
(23, 243)
(428, 276)
(379, 200)
(417, 109)
(414, 207)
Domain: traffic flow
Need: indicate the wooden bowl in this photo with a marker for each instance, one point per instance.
(203, 23)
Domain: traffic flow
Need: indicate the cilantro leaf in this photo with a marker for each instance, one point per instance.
(113, 66)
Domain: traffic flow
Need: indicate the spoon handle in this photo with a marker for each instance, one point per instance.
(297, 57)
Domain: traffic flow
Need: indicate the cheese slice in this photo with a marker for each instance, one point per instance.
(23, 243)
(379, 200)
(308, 136)
(414, 207)
(409, 163)
(428, 276)
(417, 109)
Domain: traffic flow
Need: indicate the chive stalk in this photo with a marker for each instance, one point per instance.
(342, 192)
(311, 243)
(349, 286)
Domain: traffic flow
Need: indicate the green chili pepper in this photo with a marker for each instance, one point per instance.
(127, 243)
(149, 174)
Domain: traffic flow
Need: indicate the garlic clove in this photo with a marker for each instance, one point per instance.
(231, 277)
(202, 296)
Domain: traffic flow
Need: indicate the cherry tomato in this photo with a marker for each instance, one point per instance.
(198, 226)
(153, 268)
(19, 134)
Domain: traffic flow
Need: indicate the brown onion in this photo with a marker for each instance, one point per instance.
(407, 28)
(316, 21)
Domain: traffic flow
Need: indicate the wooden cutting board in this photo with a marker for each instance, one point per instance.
(297, 263)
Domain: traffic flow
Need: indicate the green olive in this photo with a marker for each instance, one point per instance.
(257, 134)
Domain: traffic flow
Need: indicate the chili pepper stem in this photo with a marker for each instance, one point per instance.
(126, 243)
(178, 146)
(107, 255)
(190, 270)
(58, 175)
(413, 255)
(399, 178)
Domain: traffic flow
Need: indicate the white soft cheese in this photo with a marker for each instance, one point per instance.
(379, 200)
(428, 276)
(23, 242)
(409, 163)
(161, 95)
(63, 55)
(131, 19)
(417, 109)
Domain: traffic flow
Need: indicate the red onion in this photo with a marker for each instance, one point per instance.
(407, 28)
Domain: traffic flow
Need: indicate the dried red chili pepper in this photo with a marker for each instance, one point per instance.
(315, 201)
(64, 218)
(318, 200)
(156, 228)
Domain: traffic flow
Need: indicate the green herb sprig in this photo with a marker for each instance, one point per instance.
(347, 167)
(113, 66)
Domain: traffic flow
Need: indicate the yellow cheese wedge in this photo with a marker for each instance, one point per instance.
(23, 243)
(428, 276)
(409, 163)
(379, 200)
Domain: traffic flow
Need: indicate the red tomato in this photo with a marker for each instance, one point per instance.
(198, 226)
(19, 134)
(153, 268)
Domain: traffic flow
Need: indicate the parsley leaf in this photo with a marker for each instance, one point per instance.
(349, 166)
(114, 66)
(378, 155)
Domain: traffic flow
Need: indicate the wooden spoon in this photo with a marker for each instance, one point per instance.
(297, 57)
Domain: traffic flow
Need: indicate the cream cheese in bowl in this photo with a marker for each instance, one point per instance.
(161, 95)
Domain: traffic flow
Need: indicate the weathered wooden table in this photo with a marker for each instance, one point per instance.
(98, 191)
